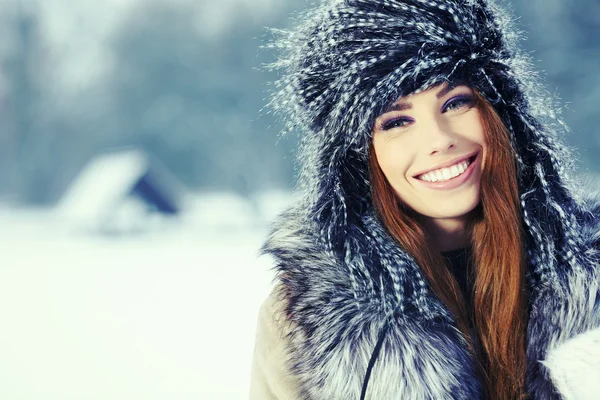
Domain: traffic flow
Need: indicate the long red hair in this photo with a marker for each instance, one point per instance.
(497, 237)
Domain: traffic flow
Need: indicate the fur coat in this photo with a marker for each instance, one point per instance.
(315, 338)
(342, 278)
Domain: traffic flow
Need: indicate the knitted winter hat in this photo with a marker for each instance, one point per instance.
(347, 60)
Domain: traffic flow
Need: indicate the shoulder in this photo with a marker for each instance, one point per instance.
(272, 312)
(271, 375)
(308, 272)
(570, 320)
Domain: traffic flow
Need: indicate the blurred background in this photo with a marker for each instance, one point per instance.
(138, 176)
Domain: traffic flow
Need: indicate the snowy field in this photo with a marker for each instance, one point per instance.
(166, 315)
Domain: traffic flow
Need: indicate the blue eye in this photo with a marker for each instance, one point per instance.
(395, 123)
(458, 103)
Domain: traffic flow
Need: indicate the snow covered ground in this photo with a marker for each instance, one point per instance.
(169, 315)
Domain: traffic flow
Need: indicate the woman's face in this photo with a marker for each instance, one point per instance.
(431, 148)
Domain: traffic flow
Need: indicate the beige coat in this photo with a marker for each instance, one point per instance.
(270, 377)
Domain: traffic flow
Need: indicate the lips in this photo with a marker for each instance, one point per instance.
(470, 157)
(453, 183)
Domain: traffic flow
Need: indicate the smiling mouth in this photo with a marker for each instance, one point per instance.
(447, 173)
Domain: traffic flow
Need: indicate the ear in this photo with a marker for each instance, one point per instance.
(575, 366)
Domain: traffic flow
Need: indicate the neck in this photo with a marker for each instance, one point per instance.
(447, 234)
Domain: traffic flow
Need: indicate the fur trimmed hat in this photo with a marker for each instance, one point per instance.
(348, 60)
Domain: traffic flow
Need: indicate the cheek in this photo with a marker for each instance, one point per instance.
(472, 127)
(393, 160)
(478, 137)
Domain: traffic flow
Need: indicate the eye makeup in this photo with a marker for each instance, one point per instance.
(455, 103)
(459, 101)
(397, 122)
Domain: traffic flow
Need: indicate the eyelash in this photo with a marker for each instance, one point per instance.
(460, 100)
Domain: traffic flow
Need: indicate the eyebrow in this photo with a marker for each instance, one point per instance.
(400, 106)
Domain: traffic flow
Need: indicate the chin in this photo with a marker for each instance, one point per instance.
(453, 211)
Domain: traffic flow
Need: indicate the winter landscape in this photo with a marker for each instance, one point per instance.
(139, 173)
(163, 315)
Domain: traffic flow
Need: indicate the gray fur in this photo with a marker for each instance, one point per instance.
(424, 356)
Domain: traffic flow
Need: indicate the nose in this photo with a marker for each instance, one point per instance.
(437, 137)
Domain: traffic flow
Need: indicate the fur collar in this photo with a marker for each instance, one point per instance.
(338, 317)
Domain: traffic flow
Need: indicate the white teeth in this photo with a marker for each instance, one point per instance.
(443, 174)
(454, 170)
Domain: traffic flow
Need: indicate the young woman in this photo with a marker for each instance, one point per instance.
(440, 250)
